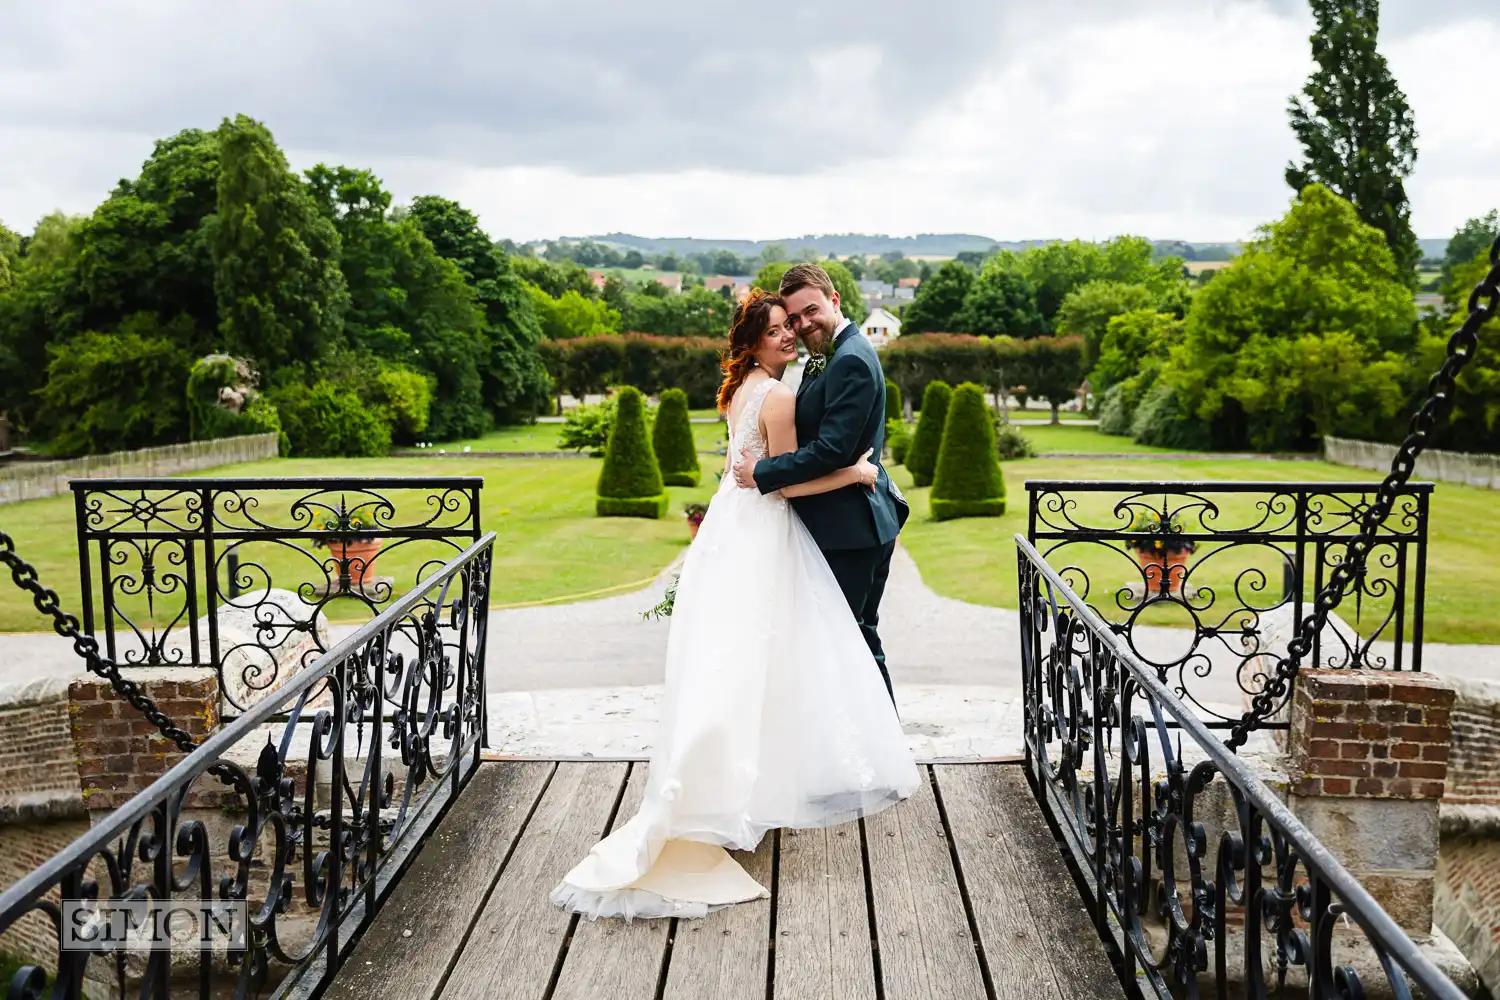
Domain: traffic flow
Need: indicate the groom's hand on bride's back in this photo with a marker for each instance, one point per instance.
(744, 470)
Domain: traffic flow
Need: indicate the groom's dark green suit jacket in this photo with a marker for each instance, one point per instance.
(840, 415)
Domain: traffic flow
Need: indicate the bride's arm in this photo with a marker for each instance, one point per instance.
(778, 424)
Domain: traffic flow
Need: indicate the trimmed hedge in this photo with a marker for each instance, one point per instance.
(672, 439)
(898, 439)
(630, 483)
(968, 482)
(892, 400)
(922, 456)
(584, 365)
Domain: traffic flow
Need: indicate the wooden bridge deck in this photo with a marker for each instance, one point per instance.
(957, 893)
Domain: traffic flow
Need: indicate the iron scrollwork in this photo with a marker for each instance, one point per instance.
(240, 574)
(294, 810)
(1232, 566)
(1193, 869)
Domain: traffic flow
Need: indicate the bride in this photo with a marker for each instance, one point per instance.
(774, 714)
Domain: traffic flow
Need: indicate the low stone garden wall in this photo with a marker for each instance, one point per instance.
(35, 480)
(1441, 466)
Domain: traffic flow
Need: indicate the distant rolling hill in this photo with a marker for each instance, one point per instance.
(863, 244)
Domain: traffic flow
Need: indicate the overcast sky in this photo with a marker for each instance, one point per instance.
(1016, 120)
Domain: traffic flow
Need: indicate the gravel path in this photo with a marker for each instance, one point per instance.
(584, 679)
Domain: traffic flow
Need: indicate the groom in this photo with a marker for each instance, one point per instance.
(840, 416)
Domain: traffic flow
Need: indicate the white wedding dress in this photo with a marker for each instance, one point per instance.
(774, 715)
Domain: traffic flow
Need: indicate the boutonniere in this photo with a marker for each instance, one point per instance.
(818, 360)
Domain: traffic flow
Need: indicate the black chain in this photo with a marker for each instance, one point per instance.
(87, 647)
(1484, 304)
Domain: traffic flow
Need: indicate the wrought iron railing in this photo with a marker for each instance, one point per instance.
(1234, 567)
(311, 834)
(240, 575)
(1193, 901)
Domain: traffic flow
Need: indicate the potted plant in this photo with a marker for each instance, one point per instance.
(1160, 549)
(355, 554)
(695, 513)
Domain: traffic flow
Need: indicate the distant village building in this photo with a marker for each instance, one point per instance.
(881, 327)
(671, 282)
(908, 282)
(714, 282)
(598, 278)
(905, 293)
(872, 290)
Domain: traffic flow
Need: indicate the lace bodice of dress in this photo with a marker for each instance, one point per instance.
(747, 435)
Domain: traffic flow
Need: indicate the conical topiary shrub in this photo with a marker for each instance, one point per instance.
(892, 400)
(967, 482)
(922, 456)
(672, 438)
(630, 482)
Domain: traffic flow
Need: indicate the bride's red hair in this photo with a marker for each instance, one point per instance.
(752, 318)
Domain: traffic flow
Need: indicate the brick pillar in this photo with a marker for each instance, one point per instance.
(119, 753)
(1369, 758)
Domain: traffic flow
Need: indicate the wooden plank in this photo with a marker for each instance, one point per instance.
(822, 918)
(519, 937)
(609, 957)
(724, 955)
(926, 949)
(1038, 939)
(440, 895)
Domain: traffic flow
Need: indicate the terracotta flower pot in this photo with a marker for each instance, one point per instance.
(1155, 563)
(693, 528)
(357, 555)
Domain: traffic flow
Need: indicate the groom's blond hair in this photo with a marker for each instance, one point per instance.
(799, 276)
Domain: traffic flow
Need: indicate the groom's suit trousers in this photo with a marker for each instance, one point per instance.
(861, 574)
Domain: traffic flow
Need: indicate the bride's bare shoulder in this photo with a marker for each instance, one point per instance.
(778, 398)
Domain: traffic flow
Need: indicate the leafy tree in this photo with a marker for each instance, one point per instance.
(630, 483)
(922, 456)
(1473, 424)
(1131, 342)
(967, 481)
(892, 400)
(1051, 368)
(1088, 309)
(554, 277)
(772, 253)
(1001, 301)
(280, 292)
(116, 391)
(405, 396)
(694, 313)
(572, 315)
(672, 439)
(1317, 271)
(632, 261)
(328, 418)
(616, 294)
(851, 302)
(515, 382)
(1358, 135)
(41, 308)
(10, 256)
(1472, 242)
(938, 300)
(768, 279)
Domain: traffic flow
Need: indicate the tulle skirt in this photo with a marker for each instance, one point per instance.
(774, 716)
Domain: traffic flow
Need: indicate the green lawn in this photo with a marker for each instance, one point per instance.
(974, 559)
(543, 437)
(1083, 440)
(550, 543)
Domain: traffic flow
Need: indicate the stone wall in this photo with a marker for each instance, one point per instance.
(1443, 466)
(1468, 886)
(119, 752)
(1369, 757)
(35, 480)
